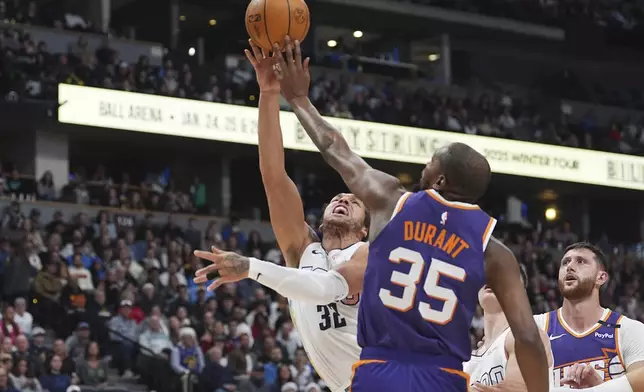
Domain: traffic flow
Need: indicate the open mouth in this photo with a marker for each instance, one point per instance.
(570, 278)
(341, 210)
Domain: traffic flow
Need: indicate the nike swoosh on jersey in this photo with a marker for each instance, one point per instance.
(317, 252)
(556, 337)
(258, 275)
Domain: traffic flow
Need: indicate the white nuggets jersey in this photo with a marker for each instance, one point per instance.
(328, 331)
(489, 367)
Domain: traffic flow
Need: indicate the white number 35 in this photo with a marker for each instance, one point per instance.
(410, 281)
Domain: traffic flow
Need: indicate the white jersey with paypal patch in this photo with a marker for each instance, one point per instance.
(329, 331)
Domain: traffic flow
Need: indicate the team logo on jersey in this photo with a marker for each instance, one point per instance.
(609, 366)
(444, 218)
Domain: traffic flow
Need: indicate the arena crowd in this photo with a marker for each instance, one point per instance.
(82, 291)
(31, 70)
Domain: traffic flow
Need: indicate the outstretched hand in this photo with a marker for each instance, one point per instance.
(226, 267)
(263, 65)
(293, 73)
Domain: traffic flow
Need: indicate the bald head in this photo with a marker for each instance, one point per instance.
(467, 172)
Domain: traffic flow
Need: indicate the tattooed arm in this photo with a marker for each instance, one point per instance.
(378, 190)
(314, 286)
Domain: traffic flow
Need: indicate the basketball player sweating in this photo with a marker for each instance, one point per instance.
(327, 329)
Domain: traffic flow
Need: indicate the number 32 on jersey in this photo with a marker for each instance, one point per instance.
(410, 280)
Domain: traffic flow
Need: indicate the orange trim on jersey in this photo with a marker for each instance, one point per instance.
(617, 347)
(575, 334)
(489, 226)
(584, 361)
(361, 362)
(459, 206)
(401, 203)
(458, 373)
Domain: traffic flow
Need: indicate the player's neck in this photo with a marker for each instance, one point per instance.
(493, 326)
(583, 314)
(331, 241)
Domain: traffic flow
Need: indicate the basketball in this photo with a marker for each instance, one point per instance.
(269, 21)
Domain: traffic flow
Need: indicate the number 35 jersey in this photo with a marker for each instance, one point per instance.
(422, 279)
(328, 331)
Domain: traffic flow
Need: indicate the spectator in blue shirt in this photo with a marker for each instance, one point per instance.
(55, 381)
(187, 357)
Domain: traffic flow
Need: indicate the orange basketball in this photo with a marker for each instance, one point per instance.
(269, 21)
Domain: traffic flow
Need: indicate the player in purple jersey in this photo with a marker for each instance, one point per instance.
(582, 331)
(430, 253)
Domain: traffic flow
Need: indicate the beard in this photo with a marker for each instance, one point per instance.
(339, 227)
(583, 289)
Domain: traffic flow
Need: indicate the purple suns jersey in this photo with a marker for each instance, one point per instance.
(422, 280)
(599, 347)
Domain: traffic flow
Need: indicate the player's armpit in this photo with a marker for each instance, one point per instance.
(504, 278)
(284, 202)
(378, 190)
(353, 270)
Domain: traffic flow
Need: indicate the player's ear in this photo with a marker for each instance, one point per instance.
(364, 232)
(602, 278)
(440, 182)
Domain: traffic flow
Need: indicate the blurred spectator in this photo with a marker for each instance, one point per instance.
(23, 379)
(55, 380)
(256, 381)
(17, 277)
(123, 336)
(67, 364)
(78, 342)
(187, 357)
(10, 329)
(46, 188)
(92, 369)
(22, 317)
(5, 383)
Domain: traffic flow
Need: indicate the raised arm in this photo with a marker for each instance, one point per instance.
(284, 202)
(378, 190)
(314, 286)
(504, 278)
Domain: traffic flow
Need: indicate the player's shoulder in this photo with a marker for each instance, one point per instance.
(314, 248)
(630, 326)
(542, 320)
(314, 257)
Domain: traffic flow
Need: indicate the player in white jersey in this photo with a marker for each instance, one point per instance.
(328, 330)
(494, 360)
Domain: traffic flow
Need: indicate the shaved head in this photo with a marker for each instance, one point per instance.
(458, 171)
